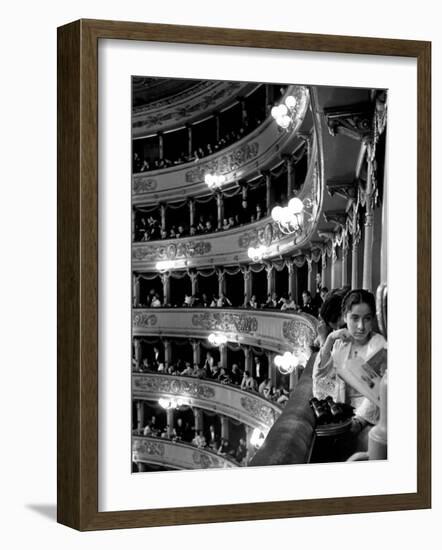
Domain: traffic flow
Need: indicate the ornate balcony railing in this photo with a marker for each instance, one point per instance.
(270, 329)
(230, 246)
(243, 406)
(235, 162)
(177, 455)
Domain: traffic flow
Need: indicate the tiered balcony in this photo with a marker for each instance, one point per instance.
(247, 407)
(176, 455)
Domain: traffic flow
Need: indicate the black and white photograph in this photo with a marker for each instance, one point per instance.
(259, 274)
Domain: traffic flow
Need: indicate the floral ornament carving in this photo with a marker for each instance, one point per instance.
(228, 162)
(143, 184)
(263, 235)
(227, 322)
(298, 333)
(172, 385)
(187, 249)
(259, 410)
(206, 460)
(143, 319)
(148, 447)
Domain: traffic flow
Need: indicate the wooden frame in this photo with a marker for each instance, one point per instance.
(78, 269)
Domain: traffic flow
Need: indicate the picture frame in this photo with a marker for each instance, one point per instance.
(78, 278)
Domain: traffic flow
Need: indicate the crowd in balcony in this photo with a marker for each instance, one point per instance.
(220, 300)
(186, 433)
(149, 228)
(210, 369)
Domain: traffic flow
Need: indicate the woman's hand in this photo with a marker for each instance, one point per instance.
(341, 334)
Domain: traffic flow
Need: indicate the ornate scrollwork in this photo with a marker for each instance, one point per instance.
(354, 121)
(298, 333)
(206, 460)
(148, 447)
(187, 249)
(264, 235)
(224, 164)
(257, 409)
(144, 184)
(142, 319)
(167, 384)
(227, 322)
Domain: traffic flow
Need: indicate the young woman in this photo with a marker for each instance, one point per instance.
(358, 339)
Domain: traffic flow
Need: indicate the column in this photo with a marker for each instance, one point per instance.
(165, 279)
(135, 290)
(191, 204)
(293, 283)
(133, 224)
(141, 467)
(189, 139)
(217, 127)
(268, 190)
(194, 282)
(196, 352)
(293, 380)
(324, 267)
(224, 427)
(368, 228)
(137, 351)
(344, 260)
(248, 359)
(242, 103)
(270, 279)
(221, 282)
(244, 191)
(310, 276)
(223, 355)
(199, 420)
(160, 145)
(163, 216)
(167, 351)
(170, 421)
(384, 238)
(140, 415)
(220, 209)
(354, 261)
(334, 261)
(272, 367)
(247, 274)
(289, 167)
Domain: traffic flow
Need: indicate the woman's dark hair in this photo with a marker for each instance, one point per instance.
(358, 296)
(331, 309)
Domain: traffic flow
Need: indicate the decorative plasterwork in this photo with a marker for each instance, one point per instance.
(343, 188)
(179, 250)
(173, 385)
(205, 460)
(354, 121)
(148, 447)
(257, 409)
(299, 333)
(227, 322)
(143, 319)
(192, 104)
(339, 217)
(224, 164)
(144, 184)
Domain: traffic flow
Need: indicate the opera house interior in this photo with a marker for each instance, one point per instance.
(259, 241)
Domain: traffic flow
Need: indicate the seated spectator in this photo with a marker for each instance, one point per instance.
(188, 370)
(156, 302)
(204, 301)
(259, 213)
(136, 164)
(224, 447)
(223, 377)
(283, 397)
(307, 305)
(199, 440)
(181, 232)
(252, 303)
(223, 301)
(147, 430)
(192, 231)
(144, 166)
(226, 225)
(236, 374)
(248, 382)
(232, 222)
(208, 228)
(164, 234)
(172, 232)
(187, 300)
(241, 451)
(161, 367)
(273, 301)
(201, 225)
(288, 304)
(265, 388)
(178, 430)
